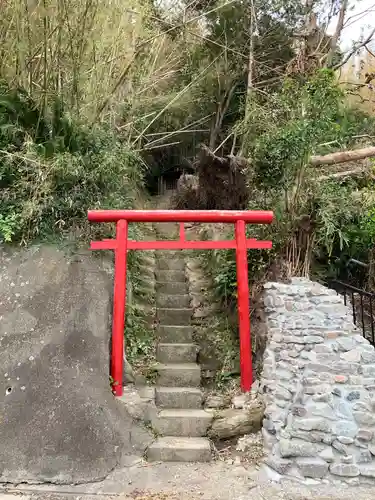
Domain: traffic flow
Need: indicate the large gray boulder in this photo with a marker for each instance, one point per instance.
(232, 422)
(59, 422)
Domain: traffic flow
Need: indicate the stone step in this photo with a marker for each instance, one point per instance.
(176, 353)
(178, 374)
(170, 276)
(178, 397)
(166, 229)
(171, 288)
(171, 264)
(179, 317)
(172, 301)
(175, 334)
(171, 254)
(178, 422)
(148, 259)
(147, 273)
(180, 449)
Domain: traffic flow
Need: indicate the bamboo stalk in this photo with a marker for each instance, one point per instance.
(181, 93)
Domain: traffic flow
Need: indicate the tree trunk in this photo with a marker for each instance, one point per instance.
(250, 71)
(250, 64)
(342, 157)
(336, 36)
(220, 114)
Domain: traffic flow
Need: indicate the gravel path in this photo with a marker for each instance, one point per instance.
(215, 481)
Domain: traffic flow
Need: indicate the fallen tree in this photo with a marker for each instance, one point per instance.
(220, 182)
(342, 157)
(361, 171)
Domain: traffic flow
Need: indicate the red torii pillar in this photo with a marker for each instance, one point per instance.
(121, 245)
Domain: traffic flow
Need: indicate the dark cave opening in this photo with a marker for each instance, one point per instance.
(158, 182)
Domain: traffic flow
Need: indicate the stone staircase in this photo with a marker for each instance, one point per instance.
(181, 423)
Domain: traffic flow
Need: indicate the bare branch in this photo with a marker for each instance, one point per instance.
(163, 134)
(177, 96)
(182, 130)
(347, 173)
(223, 142)
(362, 136)
(150, 148)
(119, 82)
(357, 17)
(196, 35)
(355, 48)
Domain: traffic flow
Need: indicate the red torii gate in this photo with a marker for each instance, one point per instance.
(122, 244)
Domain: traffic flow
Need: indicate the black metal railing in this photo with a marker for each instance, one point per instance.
(362, 304)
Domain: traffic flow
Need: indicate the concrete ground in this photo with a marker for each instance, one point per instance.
(164, 481)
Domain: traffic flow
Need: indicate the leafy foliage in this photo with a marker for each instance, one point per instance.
(88, 87)
(8, 227)
(140, 343)
(306, 115)
(347, 233)
(52, 171)
(320, 225)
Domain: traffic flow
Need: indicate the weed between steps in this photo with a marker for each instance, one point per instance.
(214, 333)
(215, 329)
(140, 335)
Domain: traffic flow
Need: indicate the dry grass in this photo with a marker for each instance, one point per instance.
(107, 61)
(97, 55)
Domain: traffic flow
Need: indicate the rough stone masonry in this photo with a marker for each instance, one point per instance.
(319, 386)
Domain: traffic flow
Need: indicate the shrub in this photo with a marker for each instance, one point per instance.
(53, 171)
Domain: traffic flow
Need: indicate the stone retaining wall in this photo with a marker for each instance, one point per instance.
(59, 422)
(319, 386)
